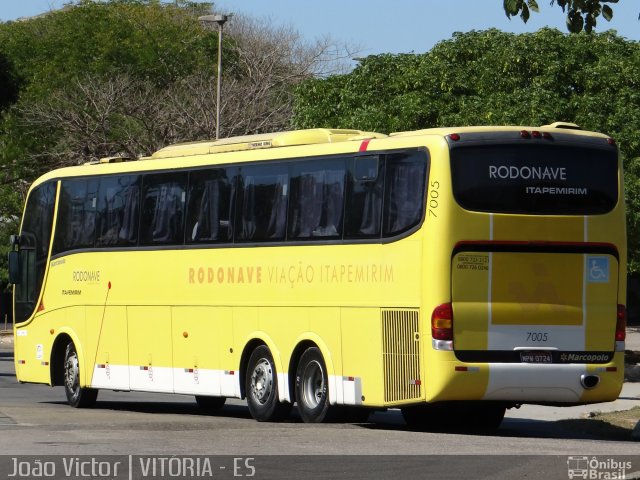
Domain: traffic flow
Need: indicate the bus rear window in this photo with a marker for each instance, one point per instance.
(535, 179)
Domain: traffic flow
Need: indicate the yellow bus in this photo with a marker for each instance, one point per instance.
(452, 273)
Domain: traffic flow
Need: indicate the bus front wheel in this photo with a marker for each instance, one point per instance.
(261, 387)
(312, 392)
(77, 396)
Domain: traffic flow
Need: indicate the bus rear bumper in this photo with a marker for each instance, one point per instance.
(527, 383)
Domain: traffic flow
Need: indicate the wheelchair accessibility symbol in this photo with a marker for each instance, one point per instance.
(598, 269)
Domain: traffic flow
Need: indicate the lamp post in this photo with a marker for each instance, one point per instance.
(220, 20)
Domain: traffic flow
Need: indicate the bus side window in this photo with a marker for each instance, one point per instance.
(118, 210)
(163, 208)
(317, 199)
(211, 206)
(262, 202)
(404, 192)
(364, 197)
(75, 227)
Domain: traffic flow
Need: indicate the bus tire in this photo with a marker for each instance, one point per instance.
(312, 387)
(261, 387)
(210, 404)
(77, 396)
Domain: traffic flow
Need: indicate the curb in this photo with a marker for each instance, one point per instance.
(632, 366)
(6, 337)
(631, 373)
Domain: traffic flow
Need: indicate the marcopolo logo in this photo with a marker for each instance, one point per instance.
(583, 357)
(595, 468)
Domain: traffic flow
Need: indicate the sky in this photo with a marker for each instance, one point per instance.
(389, 26)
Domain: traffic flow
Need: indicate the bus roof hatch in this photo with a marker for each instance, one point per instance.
(565, 125)
(265, 140)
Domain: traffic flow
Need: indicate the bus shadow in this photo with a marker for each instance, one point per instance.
(578, 429)
(165, 408)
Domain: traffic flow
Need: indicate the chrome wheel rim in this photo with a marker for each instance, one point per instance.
(72, 374)
(262, 381)
(313, 387)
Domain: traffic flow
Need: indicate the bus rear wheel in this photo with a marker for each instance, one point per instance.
(261, 387)
(312, 388)
(77, 396)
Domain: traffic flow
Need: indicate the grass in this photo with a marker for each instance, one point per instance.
(606, 425)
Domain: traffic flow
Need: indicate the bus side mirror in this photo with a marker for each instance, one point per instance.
(14, 267)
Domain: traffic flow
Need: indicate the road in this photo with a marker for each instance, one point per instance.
(35, 420)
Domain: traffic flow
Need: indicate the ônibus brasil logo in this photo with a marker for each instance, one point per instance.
(597, 469)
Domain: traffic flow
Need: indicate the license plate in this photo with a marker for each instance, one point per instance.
(536, 357)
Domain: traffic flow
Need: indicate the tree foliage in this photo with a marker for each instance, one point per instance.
(9, 83)
(126, 77)
(44, 59)
(581, 14)
(143, 37)
(491, 77)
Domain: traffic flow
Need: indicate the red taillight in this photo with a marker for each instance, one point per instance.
(547, 136)
(536, 134)
(525, 134)
(611, 141)
(455, 137)
(621, 323)
(442, 322)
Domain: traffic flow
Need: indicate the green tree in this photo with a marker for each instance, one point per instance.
(581, 14)
(151, 43)
(42, 57)
(495, 78)
(145, 38)
(9, 83)
(126, 77)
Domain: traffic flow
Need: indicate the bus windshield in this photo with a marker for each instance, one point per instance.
(535, 179)
(34, 249)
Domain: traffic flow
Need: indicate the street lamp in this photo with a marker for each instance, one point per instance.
(220, 20)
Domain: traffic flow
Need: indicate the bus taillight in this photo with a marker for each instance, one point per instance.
(621, 323)
(442, 322)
